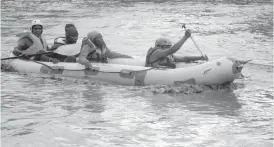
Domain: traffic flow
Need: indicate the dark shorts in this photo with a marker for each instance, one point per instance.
(58, 56)
(61, 58)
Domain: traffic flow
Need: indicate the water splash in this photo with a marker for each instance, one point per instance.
(189, 89)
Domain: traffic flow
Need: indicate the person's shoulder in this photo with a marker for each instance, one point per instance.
(86, 47)
(151, 50)
(155, 50)
(24, 40)
(159, 53)
(23, 34)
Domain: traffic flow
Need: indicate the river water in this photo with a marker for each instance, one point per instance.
(42, 111)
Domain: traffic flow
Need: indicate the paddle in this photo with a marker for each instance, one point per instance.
(184, 26)
(45, 53)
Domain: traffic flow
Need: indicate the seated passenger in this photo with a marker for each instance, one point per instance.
(94, 49)
(33, 42)
(71, 37)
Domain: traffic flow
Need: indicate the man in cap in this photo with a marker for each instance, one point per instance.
(162, 54)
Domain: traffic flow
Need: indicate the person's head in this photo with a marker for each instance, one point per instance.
(71, 34)
(97, 39)
(163, 43)
(36, 27)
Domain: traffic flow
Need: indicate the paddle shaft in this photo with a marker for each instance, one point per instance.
(184, 26)
(10, 58)
(28, 55)
(196, 45)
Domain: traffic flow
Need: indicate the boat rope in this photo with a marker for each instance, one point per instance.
(96, 70)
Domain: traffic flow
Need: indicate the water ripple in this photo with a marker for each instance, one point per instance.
(43, 110)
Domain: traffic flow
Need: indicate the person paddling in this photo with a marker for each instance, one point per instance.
(162, 54)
